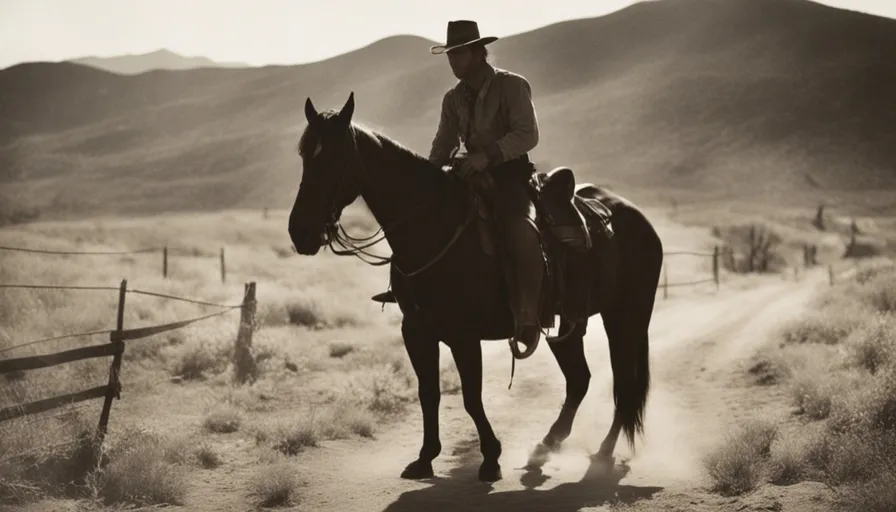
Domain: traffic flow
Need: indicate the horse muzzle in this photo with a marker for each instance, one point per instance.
(308, 241)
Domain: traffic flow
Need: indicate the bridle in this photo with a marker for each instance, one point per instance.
(335, 235)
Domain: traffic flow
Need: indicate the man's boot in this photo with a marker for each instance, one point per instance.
(528, 273)
(386, 296)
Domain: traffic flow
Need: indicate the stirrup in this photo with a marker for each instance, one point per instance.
(529, 350)
(563, 337)
(384, 297)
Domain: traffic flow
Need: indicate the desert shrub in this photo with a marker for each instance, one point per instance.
(736, 466)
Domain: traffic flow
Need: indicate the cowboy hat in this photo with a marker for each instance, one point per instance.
(461, 33)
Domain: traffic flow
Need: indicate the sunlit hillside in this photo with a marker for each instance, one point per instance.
(767, 100)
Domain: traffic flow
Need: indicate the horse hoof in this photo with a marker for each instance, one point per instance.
(490, 472)
(539, 456)
(417, 470)
(603, 460)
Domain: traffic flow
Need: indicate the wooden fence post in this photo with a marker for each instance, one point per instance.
(223, 268)
(113, 390)
(715, 265)
(244, 365)
(665, 281)
(165, 262)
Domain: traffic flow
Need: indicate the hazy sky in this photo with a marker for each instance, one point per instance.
(271, 31)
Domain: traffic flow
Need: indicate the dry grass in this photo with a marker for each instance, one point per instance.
(739, 464)
(331, 364)
(54, 461)
(325, 353)
(143, 469)
(840, 367)
(207, 457)
(223, 420)
(275, 485)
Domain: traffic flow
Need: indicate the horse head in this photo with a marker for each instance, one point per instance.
(330, 175)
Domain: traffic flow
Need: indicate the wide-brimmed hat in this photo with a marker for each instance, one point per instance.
(461, 33)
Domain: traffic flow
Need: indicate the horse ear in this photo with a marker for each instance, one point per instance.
(348, 109)
(310, 111)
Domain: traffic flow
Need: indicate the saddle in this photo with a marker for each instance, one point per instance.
(561, 219)
(559, 209)
(564, 211)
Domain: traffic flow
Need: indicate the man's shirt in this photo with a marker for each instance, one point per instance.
(503, 125)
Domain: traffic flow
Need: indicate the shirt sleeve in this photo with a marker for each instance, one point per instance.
(447, 137)
(522, 120)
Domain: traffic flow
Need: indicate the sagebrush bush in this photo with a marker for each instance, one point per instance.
(738, 464)
(828, 327)
(223, 419)
(143, 469)
(276, 485)
(872, 346)
(839, 363)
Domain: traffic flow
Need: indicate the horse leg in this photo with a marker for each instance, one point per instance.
(423, 350)
(570, 355)
(468, 359)
(605, 453)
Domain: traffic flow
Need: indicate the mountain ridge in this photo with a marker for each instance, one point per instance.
(163, 58)
(702, 98)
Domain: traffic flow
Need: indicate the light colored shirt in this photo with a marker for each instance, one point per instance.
(504, 124)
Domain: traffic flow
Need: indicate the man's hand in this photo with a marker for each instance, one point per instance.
(474, 162)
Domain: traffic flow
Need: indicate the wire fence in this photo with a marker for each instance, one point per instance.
(82, 253)
(165, 251)
(162, 328)
(665, 284)
(244, 364)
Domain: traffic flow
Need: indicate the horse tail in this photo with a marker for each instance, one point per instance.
(641, 259)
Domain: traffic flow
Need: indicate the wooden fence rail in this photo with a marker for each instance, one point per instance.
(244, 365)
(47, 404)
(67, 356)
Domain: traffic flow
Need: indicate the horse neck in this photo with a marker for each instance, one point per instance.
(406, 195)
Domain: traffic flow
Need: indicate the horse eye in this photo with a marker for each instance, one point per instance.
(317, 149)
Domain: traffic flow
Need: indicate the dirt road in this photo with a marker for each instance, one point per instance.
(700, 348)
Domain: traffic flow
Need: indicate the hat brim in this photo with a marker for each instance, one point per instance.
(440, 49)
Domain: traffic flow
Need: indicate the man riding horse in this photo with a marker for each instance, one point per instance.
(588, 266)
(490, 110)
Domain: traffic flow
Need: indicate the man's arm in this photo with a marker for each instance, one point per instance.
(523, 135)
(447, 137)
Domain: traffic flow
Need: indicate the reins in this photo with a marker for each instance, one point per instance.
(336, 235)
(356, 246)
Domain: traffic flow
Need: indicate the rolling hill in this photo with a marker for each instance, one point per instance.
(160, 59)
(769, 100)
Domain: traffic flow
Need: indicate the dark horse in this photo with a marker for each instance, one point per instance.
(449, 289)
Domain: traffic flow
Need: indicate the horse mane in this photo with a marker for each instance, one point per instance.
(384, 141)
(416, 162)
